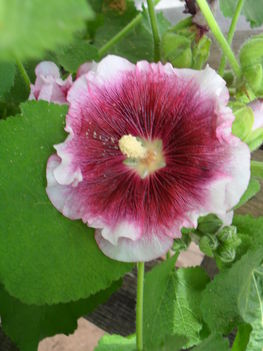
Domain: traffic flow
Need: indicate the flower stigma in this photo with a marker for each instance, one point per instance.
(144, 156)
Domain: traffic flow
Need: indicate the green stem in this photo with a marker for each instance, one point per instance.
(120, 35)
(139, 306)
(230, 34)
(23, 73)
(219, 36)
(155, 31)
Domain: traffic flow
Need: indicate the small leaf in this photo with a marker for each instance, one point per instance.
(171, 304)
(213, 343)
(35, 239)
(26, 325)
(252, 189)
(30, 27)
(116, 343)
(72, 56)
(7, 74)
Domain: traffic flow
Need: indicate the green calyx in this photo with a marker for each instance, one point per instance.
(251, 60)
(242, 126)
(184, 47)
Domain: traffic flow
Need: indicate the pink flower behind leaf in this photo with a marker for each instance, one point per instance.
(48, 85)
(149, 150)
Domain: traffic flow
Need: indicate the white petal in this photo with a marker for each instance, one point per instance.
(62, 197)
(147, 248)
(226, 192)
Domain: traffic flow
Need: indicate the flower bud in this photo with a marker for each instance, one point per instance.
(186, 46)
(177, 50)
(251, 60)
(227, 255)
(208, 244)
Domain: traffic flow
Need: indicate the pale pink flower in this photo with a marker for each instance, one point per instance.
(48, 85)
(257, 107)
(149, 150)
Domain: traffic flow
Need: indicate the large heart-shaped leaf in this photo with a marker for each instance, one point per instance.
(44, 257)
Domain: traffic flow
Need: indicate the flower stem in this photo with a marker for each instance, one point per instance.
(120, 35)
(230, 34)
(219, 36)
(155, 31)
(23, 73)
(139, 306)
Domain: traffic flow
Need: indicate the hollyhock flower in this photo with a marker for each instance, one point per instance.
(257, 107)
(48, 85)
(149, 150)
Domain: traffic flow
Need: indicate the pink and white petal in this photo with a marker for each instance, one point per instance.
(66, 173)
(111, 66)
(146, 248)
(225, 192)
(63, 197)
(208, 81)
(106, 71)
(124, 229)
(47, 68)
(257, 107)
(86, 67)
(155, 68)
(52, 93)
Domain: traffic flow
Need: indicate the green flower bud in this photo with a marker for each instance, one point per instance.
(208, 244)
(176, 49)
(244, 120)
(228, 237)
(251, 60)
(209, 224)
(227, 255)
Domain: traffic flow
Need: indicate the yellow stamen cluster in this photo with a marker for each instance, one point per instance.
(131, 147)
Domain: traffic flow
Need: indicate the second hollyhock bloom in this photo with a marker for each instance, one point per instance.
(48, 85)
(149, 150)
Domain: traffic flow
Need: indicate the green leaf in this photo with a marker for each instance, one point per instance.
(72, 56)
(7, 74)
(116, 343)
(252, 231)
(242, 338)
(224, 296)
(251, 308)
(30, 27)
(44, 257)
(214, 342)
(171, 303)
(253, 10)
(26, 324)
(138, 43)
(257, 169)
(252, 189)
